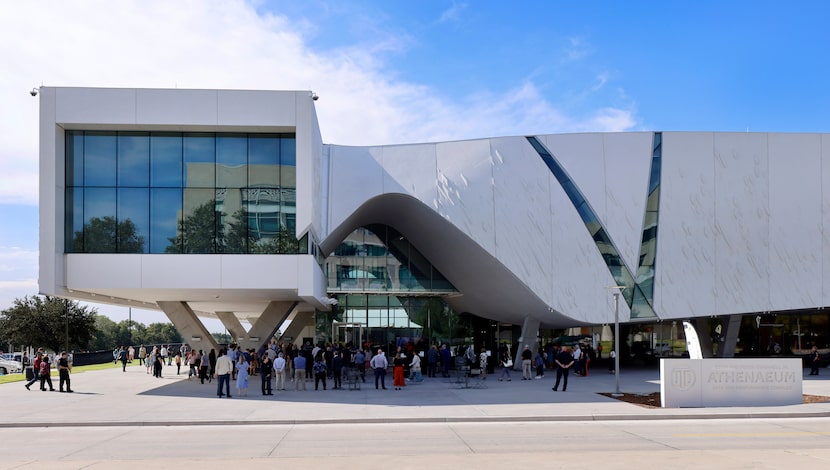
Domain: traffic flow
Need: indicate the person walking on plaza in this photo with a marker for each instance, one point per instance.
(130, 354)
(63, 371)
(360, 364)
(266, 368)
(178, 362)
(158, 365)
(612, 364)
(164, 352)
(482, 363)
(506, 363)
(415, 368)
(526, 356)
(397, 371)
(224, 367)
(564, 361)
(279, 372)
(432, 360)
(122, 356)
(35, 369)
(379, 365)
(539, 362)
(577, 355)
(46, 374)
(446, 358)
(204, 366)
(142, 355)
(815, 358)
(299, 372)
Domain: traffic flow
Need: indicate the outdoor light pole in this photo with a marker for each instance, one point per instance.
(617, 338)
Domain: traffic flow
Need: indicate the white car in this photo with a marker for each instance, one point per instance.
(10, 367)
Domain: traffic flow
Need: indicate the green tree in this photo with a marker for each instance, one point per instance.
(104, 235)
(46, 321)
(197, 233)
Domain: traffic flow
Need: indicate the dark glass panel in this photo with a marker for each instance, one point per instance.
(288, 150)
(74, 220)
(165, 160)
(231, 161)
(233, 221)
(99, 220)
(165, 210)
(197, 232)
(74, 158)
(133, 220)
(200, 160)
(263, 160)
(133, 159)
(99, 158)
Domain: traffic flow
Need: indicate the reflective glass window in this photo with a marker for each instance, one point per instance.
(74, 220)
(133, 230)
(74, 158)
(263, 160)
(99, 159)
(133, 159)
(165, 160)
(231, 161)
(197, 232)
(165, 211)
(200, 160)
(288, 150)
(99, 220)
(233, 221)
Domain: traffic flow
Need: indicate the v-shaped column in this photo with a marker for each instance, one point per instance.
(263, 330)
(188, 325)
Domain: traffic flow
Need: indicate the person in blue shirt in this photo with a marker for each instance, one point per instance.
(299, 372)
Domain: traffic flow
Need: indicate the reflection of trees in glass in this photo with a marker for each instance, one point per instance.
(199, 232)
(104, 235)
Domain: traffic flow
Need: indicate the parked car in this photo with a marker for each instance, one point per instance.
(10, 367)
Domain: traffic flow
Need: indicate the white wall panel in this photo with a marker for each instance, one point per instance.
(795, 220)
(260, 272)
(742, 223)
(103, 271)
(465, 193)
(176, 107)
(685, 283)
(825, 218)
(522, 213)
(411, 169)
(356, 176)
(95, 105)
(260, 108)
(181, 271)
(581, 155)
(627, 165)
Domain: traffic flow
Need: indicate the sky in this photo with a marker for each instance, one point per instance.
(400, 72)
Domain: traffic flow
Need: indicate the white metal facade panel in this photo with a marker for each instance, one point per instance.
(795, 220)
(176, 107)
(181, 271)
(103, 271)
(742, 223)
(411, 169)
(261, 272)
(522, 213)
(686, 240)
(627, 166)
(95, 105)
(465, 193)
(825, 218)
(581, 155)
(261, 108)
(51, 182)
(355, 177)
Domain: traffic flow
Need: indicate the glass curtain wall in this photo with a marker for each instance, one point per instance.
(169, 192)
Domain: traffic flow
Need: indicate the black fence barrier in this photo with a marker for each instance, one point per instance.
(89, 358)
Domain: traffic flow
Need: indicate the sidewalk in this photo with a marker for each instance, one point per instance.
(133, 398)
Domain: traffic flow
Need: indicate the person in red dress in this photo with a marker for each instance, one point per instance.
(399, 362)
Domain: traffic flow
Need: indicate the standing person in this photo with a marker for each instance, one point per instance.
(397, 371)
(612, 364)
(564, 361)
(415, 368)
(482, 363)
(193, 362)
(266, 368)
(299, 371)
(63, 370)
(526, 355)
(158, 365)
(35, 369)
(279, 372)
(360, 364)
(446, 358)
(130, 354)
(142, 354)
(539, 362)
(178, 362)
(379, 365)
(164, 352)
(122, 356)
(242, 373)
(319, 369)
(46, 374)
(223, 369)
(815, 357)
(578, 359)
(432, 360)
(337, 370)
(506, 363)
(204, 366)
(212, 364)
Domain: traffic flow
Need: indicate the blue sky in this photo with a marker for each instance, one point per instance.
(394, 72)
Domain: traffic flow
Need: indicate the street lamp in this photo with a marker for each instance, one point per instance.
(617, 338)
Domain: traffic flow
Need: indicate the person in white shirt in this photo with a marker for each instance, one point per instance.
(577, 359)
(379, 364)
(224, 367)
(279, 370)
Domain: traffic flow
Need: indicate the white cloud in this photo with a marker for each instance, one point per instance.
(452, 13)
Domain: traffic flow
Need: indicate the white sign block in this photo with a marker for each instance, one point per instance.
(695, 383)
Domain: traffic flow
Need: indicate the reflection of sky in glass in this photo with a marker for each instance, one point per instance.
(200, 148)
(166, 160)
(132, 205)
(74, 158)
(165, 206)
(99, 202)
(99, 159)
(133, 160)
(288, 151)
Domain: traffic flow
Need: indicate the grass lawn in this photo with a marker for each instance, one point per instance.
(78, 369)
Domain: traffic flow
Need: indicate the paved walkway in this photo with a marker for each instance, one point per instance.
(115, 398)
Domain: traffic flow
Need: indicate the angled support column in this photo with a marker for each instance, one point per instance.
(732, 325)
(188, 325)
(703, 332)
(235, 328)
(300, 321)
(266, 325)
(529, 337)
